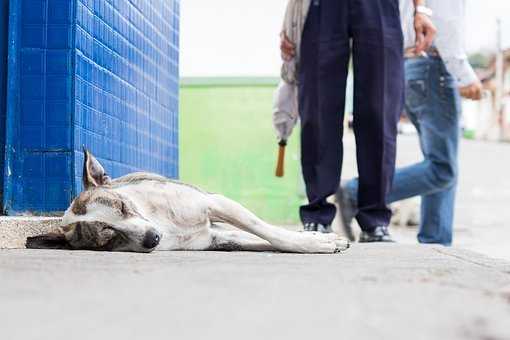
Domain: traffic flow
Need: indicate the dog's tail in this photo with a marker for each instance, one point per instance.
(346, 214)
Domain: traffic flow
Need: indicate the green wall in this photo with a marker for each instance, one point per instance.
(228, 145)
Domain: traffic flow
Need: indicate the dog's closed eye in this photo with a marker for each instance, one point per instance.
(105, 235)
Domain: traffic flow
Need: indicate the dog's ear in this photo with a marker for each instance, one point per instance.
(93, 172)
(48, 241)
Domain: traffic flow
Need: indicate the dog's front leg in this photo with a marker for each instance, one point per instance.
(236, 240)
(225, 210)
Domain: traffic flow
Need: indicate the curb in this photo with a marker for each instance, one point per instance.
(15, 230)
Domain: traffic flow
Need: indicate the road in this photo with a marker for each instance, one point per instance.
(369, 292)
(482, 212)
(399, 291)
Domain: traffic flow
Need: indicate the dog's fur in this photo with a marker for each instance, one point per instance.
(142, 212)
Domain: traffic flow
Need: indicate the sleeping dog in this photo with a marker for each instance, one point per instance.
(142, 212)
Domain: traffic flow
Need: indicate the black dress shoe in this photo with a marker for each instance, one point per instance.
(310, 226)
(379, 234)
(322, 228)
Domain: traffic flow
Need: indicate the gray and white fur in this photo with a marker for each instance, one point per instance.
(142, 212)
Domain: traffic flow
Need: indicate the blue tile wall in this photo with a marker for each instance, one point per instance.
(99, 73)
(4, 29)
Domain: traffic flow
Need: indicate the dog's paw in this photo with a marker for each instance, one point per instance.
(325, 243)
(342, 244)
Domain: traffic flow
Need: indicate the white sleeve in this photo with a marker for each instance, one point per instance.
(449, 18)
(285, 109)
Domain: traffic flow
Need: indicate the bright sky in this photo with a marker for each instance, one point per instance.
(240, 38)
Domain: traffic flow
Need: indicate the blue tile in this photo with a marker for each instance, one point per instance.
(58, 62)
(58, 195)
(57, 165)
(34, 36)
(32, 112)
(32, 87)
(59, 36)
(58, 138)
(58, 112)
(59, 11)
(33, 137)
(32, 62)
(33, 196)
(34, 12)
(57, 87)
(33, 166)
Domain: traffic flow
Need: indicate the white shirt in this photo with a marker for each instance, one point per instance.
(285, 103)
(449, 18)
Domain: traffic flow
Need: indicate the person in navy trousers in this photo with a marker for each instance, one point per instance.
(370, 31)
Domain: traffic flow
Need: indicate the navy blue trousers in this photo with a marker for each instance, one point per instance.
(371, 31)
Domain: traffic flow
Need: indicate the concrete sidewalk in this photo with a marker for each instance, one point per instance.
(369, 292)
(372, 291)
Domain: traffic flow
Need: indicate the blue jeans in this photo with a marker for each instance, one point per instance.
(433, 106)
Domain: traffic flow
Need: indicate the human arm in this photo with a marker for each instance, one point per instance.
(287, 47)
(449, 17)
(424, 28)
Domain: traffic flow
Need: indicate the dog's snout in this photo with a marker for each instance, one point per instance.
(151, 239)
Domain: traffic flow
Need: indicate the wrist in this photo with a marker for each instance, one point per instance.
(421, 9)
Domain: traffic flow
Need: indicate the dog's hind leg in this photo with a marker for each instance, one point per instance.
(225, 210)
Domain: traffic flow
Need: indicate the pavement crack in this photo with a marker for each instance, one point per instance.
(477, 263)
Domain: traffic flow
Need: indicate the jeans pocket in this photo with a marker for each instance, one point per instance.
(416, 93)
(449, 95)
(446, 86)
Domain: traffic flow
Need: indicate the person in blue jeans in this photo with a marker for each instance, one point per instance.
(434, 82)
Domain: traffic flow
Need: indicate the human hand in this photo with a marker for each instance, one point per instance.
(473, 91)
(287, 48)
(425, 32)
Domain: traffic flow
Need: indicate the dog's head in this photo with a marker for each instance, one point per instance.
(100, 218)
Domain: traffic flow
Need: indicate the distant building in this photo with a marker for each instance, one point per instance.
(490, 118)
